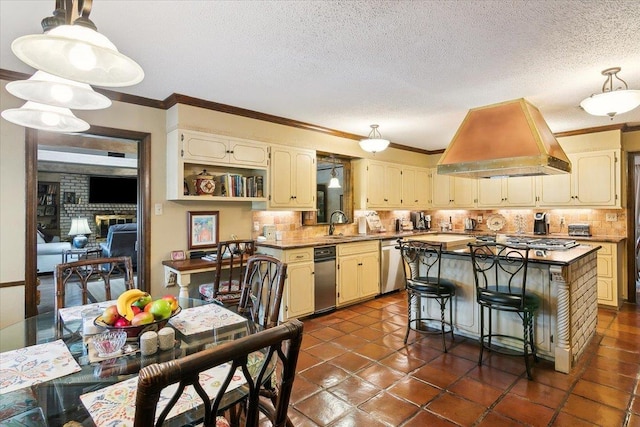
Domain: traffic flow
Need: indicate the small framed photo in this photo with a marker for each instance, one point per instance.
(202, 227)
(177, 255)
(50, 210)
(70, 197)
(40, 210)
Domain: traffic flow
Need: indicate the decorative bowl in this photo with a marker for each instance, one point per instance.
(133, 332)
(109, 343)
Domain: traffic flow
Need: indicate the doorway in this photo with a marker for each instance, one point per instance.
(34, 140)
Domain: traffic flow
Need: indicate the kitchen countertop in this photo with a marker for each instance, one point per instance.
(558, 257)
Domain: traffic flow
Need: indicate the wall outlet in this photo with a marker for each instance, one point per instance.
(561, 220)
(158, 209)
(611, 217)
(256, 226)
(479, 219)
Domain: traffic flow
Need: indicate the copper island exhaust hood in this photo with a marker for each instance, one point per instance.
(501, 140)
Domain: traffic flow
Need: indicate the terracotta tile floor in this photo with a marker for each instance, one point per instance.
(354, 370)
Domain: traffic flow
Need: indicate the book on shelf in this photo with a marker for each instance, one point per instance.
(235, 185)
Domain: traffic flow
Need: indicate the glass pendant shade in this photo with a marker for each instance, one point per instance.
(46, 88)
(611, 103)
(374, 142)
(45, 117)
(334, 183)
(79, 53)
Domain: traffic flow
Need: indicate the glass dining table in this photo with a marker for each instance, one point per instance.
(58, 400)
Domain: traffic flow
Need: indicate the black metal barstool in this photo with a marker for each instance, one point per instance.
(501, 279)
(422, 278)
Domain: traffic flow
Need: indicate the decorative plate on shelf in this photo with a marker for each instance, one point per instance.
(495, 222)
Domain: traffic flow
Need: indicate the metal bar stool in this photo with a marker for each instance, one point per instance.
(501, 278)
(422, 278)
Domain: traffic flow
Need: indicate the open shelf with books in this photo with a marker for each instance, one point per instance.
(231, 184)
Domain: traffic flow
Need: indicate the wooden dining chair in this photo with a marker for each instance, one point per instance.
(262, 289)
(280, 343)
(231, 259)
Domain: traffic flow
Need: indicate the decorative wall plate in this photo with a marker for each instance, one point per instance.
(495, 222)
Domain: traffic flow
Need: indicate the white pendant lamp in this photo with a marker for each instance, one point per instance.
(45, 88)
(611, 101)
(334, 182)
(45, 117)
(374, 142)
(76, 51)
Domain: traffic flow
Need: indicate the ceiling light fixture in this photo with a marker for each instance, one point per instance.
(72, 48)
(374, 142)
(334, 182)
(611, 101)
(46, 88)
(45, 117)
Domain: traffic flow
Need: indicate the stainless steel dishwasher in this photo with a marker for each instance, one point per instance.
(325, 278)
(391, 268)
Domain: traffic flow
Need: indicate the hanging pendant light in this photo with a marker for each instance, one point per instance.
(374, 142)
(611, 101)
(45, 117)
(45, 88)
(73, 49)
(334, 182)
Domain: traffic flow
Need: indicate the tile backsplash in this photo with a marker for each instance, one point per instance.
(603, 222)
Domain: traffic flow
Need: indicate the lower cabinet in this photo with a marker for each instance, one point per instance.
(358, 267)
(298, 297)
(610, 272)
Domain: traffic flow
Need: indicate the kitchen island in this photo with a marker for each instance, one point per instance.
(566, 283)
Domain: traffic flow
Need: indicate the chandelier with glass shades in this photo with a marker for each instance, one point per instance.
(70, 56)
(611, 101)
(374, 142)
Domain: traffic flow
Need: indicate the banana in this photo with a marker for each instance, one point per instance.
(126, 299)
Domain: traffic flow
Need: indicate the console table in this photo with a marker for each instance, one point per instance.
(179, 272)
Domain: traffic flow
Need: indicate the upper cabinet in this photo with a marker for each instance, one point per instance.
(453, 193)
(507, 192)
(594, 182)
(293, 178)
(382, 185)
(239, 166)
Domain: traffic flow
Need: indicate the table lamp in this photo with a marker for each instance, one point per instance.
(79, 227)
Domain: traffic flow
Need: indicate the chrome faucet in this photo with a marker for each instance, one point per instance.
(342, 219)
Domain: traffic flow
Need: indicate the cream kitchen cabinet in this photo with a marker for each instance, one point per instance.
(190, 152)
(512, 192)
(611, 272)
(358, 271)
(453, 192)
(416, 188)
(298, 298)
(292, 178)
(377, 184)
(594, 182)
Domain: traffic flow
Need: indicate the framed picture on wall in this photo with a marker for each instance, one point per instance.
(70, 197)
(202, 229)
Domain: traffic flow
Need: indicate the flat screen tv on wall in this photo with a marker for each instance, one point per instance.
(109, 189)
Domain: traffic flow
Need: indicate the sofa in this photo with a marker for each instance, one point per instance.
(49, 254)
(122, 240)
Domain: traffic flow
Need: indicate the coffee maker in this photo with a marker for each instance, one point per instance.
(541, 223)
(420, 221)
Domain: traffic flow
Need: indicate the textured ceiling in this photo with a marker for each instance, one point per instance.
(413, 67)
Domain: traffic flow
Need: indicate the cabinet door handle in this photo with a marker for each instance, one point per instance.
(386, 200)
(360, 263)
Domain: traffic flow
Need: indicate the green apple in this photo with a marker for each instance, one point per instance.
(161, 309)
(142, 301)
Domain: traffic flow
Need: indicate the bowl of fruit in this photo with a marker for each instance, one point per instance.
(136, 312)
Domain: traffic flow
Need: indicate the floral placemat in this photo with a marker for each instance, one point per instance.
(70, 314)
(35, 364)
(204, 318)
(115, 405)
